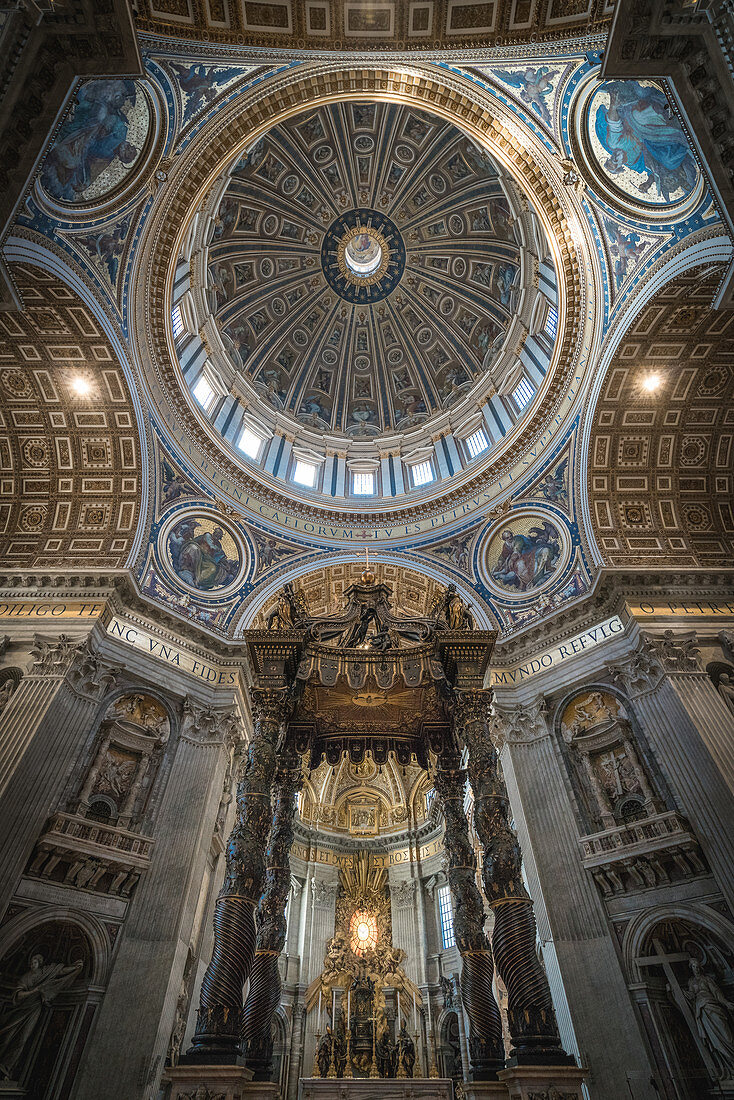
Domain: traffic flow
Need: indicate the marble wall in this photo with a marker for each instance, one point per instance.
(115, 802)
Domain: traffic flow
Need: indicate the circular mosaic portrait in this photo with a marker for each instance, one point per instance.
(101, 140)
(524, 553)
(637, 144)
(203, 553)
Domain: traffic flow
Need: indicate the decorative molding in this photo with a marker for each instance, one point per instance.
(674, 651)
(205, 725)
(519, 725)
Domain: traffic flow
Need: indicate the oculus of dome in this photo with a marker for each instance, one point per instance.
(456, 252)
(363, 256)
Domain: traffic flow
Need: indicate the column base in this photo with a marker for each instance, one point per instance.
(11, 1090)
(225, 1081)
(485, 1090)
(388, 1088)
(527, 1081)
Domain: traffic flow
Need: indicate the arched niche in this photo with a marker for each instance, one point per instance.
(680, 967)
(59, 959)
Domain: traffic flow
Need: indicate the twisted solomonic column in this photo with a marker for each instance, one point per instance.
(532, 1021)
(217, 1036)
(264, 993)
(485, 1024)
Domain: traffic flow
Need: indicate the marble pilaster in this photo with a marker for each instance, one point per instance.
(404, 924)
(42, 731)
(690, 731)
(578, 950)
(158, 930)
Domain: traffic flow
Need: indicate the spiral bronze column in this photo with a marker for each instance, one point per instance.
(264, 993)
(532, 1021)
(485, 1024)
(217, 1036)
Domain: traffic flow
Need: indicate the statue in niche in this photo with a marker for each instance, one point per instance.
(616, 773)
(713, 1014)
(116, 773)
(33, 991)
(725, 688)
(617, 787)
(6, 690)
(406, 1050)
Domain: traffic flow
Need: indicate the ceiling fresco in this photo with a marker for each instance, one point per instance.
(364, 352)
(360, 271)
(100, 142)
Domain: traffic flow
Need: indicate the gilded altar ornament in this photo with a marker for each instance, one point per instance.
(361, 961)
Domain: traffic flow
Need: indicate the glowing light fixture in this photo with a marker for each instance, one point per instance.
(363, 931)
(651, 382)
(80, 386)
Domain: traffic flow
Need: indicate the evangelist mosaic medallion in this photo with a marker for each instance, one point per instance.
(101, 140)
(638, 144)
(203, 554)
(363, 256)
(524, 553)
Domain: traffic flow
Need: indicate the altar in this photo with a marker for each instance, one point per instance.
(415, 1088)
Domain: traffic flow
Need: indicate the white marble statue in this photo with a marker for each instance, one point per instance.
(35, 989)
(712, 1012)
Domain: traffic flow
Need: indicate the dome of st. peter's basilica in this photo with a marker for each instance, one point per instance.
(369, 274)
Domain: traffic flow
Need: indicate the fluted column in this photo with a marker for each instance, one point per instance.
(580, 957)
(477, 971)
(42, 731)
(531, 1018)
(690, 730)
(264, 993)
(217, 1036)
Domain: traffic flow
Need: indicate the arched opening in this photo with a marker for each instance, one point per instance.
(48, 1005)
(686, 987)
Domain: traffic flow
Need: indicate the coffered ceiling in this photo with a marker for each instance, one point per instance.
(661, 456)
(70, 458)
(386, 24)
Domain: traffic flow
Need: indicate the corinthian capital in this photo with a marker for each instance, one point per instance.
(53, 656)
(88, 673)
(638, 673)
(269, 706)
(521, 724)
(674, 652)
(471, 707)
(205, 725)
